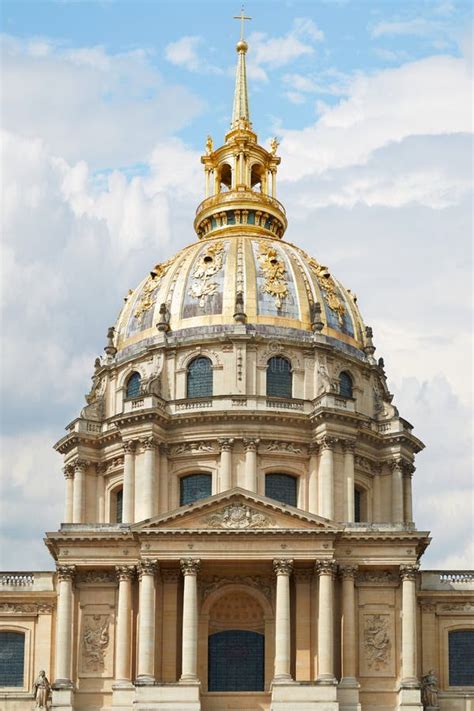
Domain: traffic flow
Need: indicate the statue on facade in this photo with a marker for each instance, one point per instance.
(41, 690)
(274, 143)
(209, 145)
(429, 690)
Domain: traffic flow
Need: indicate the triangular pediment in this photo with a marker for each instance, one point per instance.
(236, 510)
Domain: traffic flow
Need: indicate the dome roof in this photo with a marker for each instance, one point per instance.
(221, 281)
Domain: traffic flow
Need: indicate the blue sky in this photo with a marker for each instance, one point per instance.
(106, 108)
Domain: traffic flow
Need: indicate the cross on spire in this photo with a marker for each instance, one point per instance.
(242, 19)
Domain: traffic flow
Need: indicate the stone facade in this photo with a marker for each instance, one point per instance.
(237, 360)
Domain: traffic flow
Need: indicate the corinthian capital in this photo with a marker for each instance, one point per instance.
(147, 567)
(129, 446)
(226, 444)
(80, 465)
(326, 567)
(250, 445)
(327, 443)
(349, 445)
(348, 572)
(283, 566)
(149, 443)
(68, 471)
(396, 464)
(65, 573)
(408, 572)
(190, 566)
(125, 572)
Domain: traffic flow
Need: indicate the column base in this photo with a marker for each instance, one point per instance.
(409, 697)
(62, 696)
(303, 696)
(348, 694)
(144, 680)
(123, 695)
(326, 680)
(175, 696)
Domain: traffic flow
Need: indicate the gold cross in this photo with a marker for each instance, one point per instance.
(242, 19)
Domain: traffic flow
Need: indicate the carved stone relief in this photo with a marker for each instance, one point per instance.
(95, 644)
(377, 642)
(277, 446)
(187, 447)
(238, 516)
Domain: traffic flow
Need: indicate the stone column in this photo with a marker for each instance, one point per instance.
(163, 480)
(69, 494)
(408, 575)
(407, 493)
(326, 477)
(326, 570)
(146, 623)
(282, 570)
(149, 488)
(376, 500)
(225, 474)
(128, 509)
(79, 491)
(63, 651)
(250, 446)
(397, 490)
(313, 479)
(348, 626)
(190, 568)
(101, 468)
(273, 182)
(349, 448)
(123, 641)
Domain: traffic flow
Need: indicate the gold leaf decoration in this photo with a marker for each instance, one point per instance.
(209, 263)
(274, 271)
(328, 285)
(147, 297)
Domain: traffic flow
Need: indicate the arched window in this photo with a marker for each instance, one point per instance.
(281, 487)
(118, 502)
(194, 487)
(357, 505)
(279, 377)
(134, 385)
(199, 380)
(461, 654)
(225, 178)
(12, 658)
(256, 178)
(345, 385)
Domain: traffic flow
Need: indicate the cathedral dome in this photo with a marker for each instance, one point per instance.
(239, 277)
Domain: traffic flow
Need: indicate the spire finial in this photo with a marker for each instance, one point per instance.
(240, 113)
(242, 19)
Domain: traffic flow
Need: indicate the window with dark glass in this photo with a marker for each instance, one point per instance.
(119, 506)
(236, 661)
(345, 385)
(461, 656)
(194, 487)
(199, 382)
(279, 377)
(281, 487)
(357, 505)
(12, 658)
(134, 385)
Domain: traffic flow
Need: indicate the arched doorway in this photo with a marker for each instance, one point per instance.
(236, 644)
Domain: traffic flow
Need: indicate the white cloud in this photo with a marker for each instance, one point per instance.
(330, 82)
(273, 52)
(418, 26)
(428, 97)
(185, 53)
(114, 102)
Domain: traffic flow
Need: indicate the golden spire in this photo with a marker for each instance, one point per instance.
(240, 113)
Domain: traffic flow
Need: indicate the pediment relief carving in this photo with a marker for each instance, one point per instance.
(239, 516)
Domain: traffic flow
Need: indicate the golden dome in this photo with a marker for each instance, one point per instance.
(240, 276)
(262, 282)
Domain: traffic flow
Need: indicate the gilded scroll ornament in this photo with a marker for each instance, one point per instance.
(148, 295)
(208, 264)
(328, 285)
(274, 271)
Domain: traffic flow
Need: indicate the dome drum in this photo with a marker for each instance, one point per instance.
(259, 213)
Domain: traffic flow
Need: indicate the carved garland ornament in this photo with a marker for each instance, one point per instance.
(209, 263)
(238, 516)
(274, 271)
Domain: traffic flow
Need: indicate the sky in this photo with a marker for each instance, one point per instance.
(106, 107)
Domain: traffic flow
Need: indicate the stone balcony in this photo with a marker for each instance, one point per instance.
(27, 581)
(446, 580)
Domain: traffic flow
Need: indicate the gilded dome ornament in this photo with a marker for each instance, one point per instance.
(208, 264)
(148, 296)
(328, 286)
(274, 271)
